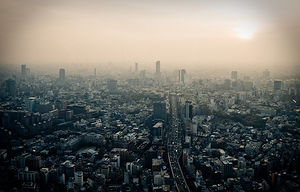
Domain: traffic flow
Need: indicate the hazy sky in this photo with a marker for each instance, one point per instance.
(179, 33)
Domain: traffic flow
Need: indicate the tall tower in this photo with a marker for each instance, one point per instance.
(188, 110)
(181, 75)
(79, 178)
(23, 70)
(10, 87)
(234, 75)
(277, 85)
(157, 67)
(136, 67)
(112, 85)
(62, 75)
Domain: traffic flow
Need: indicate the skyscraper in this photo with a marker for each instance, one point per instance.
(10, 87)
(181, 76)
(62, 75)
(79, 178)
(136, 67)
(234, 75)
(157, 68)
(112, 85)
(23, 70)
(277, 85)
(188, 110)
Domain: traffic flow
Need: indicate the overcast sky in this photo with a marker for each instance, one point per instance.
(191, 33)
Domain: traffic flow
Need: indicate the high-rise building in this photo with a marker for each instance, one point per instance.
(79, 178)
(62, 75)
(157, 130)
(157, 68)
(10, 87)
(30, 103)
(95, 71)
(188, 110)
(112, 85)
(23, 70)
(277, 85)
(136, 67)
(227, 169)
(234, 75)
(181, 75)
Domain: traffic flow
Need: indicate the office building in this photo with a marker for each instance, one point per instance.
(62, 75)
(112, 85)
(30, 103)
(188, 110)
(181, 75)
(10, 87)
(227, 169)
(79, 178)
(277, 85)
(234, 75)
(157, 71)
(23, 70)
(157, 130)
(136, 67)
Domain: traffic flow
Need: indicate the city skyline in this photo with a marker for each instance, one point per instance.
(149, 95)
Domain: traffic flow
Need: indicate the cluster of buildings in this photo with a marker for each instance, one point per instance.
(94, 133)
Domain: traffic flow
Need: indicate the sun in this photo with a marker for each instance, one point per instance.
(245, 30)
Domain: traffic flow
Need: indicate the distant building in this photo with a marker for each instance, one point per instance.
(30, 103)
(277, 85)
(10, 87)
(112, 84)
(188, 110)
(136, 67)
(157, 71)
(234, 75)
(62, 75)
(23, 70)
(181, 75)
